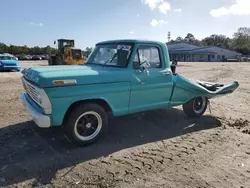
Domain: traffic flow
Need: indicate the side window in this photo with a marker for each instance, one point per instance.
(150, 54)
(136, 62)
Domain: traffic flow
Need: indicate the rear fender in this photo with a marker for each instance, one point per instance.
(185, 89)
(227, 89)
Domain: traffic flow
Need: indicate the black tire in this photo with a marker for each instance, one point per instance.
(72, 125)
(50, 61)
(59, 60)
(192, 109)
(55, 60)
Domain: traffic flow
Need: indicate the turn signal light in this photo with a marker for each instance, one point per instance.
(63, 82)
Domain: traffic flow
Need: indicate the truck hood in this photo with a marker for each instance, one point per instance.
(83, 74)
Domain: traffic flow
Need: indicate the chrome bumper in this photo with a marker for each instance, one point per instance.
(40, 119)
(11, 66)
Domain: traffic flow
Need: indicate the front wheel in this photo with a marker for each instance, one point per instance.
(86, 123)
(196, 107)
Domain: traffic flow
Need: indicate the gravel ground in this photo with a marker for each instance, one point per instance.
(161, 148)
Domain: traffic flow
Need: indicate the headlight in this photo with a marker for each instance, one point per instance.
(44, 101)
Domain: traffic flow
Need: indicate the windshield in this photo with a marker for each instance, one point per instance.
(65, 43)
(110, 55)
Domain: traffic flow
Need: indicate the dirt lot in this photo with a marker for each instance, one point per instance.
(161, 148)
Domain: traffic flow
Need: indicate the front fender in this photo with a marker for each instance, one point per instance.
(116, 95)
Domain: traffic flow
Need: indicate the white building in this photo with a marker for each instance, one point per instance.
(182, 51)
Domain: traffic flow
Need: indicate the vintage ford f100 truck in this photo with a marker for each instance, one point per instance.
(121, 77)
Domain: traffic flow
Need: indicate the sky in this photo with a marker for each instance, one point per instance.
(40, 22)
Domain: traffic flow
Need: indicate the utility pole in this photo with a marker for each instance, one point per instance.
(169, 36)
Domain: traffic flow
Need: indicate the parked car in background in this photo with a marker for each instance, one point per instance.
(44, 57)
(36, 57)
(24, 57)
(18, 56)
(10, 55)
(9, 63)
(29, 57)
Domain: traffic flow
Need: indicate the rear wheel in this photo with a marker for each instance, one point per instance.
(50, 61)
(196, 107)
(86, 123)
(59, 60)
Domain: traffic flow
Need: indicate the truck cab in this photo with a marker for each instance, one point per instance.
(119, 76)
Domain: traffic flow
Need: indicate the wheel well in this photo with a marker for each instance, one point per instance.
(100, 102)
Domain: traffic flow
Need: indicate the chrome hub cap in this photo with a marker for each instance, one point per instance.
(88, 125)
(199, 104)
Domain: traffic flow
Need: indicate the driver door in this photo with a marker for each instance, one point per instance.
(150, 89)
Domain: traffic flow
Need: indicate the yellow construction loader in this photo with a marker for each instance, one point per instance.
(67, 54)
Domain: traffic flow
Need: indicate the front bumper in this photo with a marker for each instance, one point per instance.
(40, 119)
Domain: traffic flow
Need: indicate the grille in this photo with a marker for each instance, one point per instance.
(31, 90)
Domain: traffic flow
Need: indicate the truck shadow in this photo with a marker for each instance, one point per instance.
(28, 152)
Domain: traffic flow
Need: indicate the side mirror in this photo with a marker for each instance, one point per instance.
(175, 62)
(144, 66)
(173, 66)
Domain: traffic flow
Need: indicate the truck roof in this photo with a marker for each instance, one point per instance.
(131, 41)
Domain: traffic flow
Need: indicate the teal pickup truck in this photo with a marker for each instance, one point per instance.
(121, 77)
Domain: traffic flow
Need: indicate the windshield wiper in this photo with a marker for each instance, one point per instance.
(110, 59)
(113, 57)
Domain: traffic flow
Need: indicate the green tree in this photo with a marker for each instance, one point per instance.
(87, 51)
(241, 40)
(25, 49)
(3, 48)
(47, 50)
(189, 38)
(217, 40)
(179, 39)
